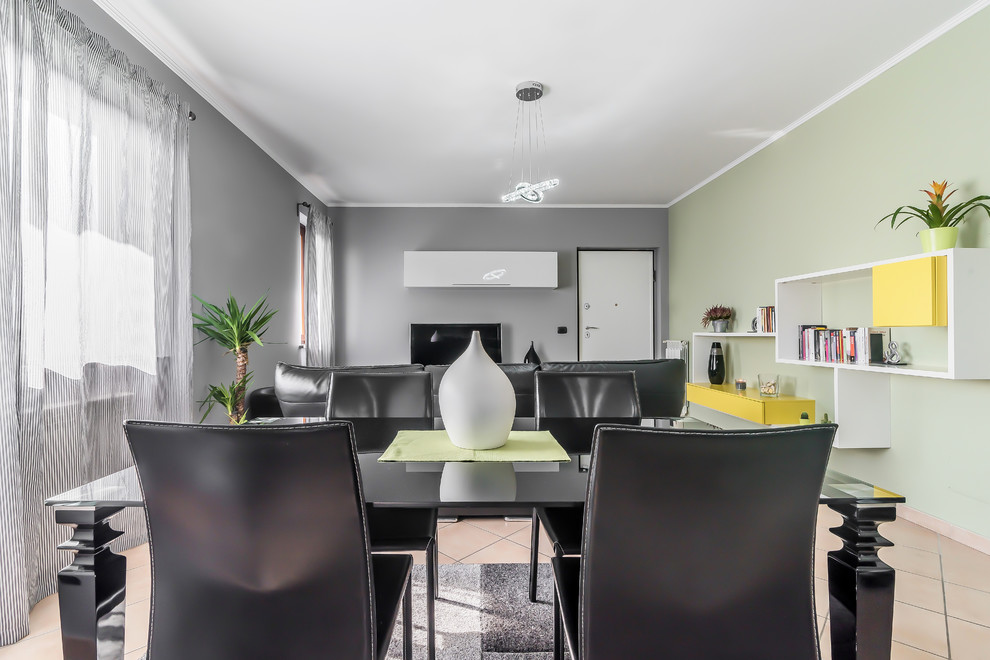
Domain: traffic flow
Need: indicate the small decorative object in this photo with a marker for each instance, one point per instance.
(768, 385)
(532, 357)
(891, 356)
(752, 325)
(804, 419)
(740, 384)
(477, 402)
(234, 328)
(716, 365)
(825, 419)
(941, 219)
(718, 316)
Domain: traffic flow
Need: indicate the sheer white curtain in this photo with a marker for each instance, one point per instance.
(319, 290)
(94, 269)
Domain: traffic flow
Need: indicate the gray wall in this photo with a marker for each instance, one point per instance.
(245, 228)
(374, 310)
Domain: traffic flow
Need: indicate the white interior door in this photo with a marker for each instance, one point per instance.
(615, 304)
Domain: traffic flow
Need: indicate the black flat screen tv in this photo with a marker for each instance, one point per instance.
(442, 343)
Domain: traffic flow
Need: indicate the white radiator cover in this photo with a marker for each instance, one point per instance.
(480, 269)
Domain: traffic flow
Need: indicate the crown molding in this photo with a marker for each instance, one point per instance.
(519, 207)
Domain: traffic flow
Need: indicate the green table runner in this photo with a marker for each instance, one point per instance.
(435, 447)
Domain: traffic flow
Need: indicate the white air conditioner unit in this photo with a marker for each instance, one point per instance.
(534, 270)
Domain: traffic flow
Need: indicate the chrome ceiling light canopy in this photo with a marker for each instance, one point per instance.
(529, 134)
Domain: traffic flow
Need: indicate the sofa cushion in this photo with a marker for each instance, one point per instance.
(262, 402)
(303, 391)
(522, 377)
(661, 383)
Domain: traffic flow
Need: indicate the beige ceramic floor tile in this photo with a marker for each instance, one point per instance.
(969, 641)
(903, 532)
(964, 565)
(821, 564)
(825, 641)
(919, 591)
(137, 556)
(39, 647)
(135, 655)
(920, 628)
(499, 526)
(900, 651)
(968, 604)
(826, 540)
(44, 616)
(138, 584)
(821, 624)
(460, 540)
(444, 559)
(522, 537)
(502, 551)
(821, 597)
(912, 560)
(828, 517)
(136, 624)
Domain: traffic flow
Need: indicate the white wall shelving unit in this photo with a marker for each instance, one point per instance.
(862, 391)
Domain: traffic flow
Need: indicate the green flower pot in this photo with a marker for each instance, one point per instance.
(940, 238)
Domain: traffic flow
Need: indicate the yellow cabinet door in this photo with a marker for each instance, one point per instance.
(910, 293)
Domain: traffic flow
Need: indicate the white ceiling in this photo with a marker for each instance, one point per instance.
(378, 102)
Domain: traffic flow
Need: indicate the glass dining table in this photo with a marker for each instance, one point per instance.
(91, 588)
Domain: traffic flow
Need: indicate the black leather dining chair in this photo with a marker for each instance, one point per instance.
(570, 405)
(259, 545)
(698, 545)
(379, 405)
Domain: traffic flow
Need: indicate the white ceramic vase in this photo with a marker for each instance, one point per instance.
(477, 402)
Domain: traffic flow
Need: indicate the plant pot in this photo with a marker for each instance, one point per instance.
(720, 325)
(477, 402)
(940, 238)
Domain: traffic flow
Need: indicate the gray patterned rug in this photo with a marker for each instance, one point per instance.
(483, 613)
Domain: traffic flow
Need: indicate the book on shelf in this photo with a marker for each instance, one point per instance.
(766, 319)
(819, 343)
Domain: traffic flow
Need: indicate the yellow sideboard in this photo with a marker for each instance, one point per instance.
(748, 404)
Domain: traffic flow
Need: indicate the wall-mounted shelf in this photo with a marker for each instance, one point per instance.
(954, 297)
(699, 357)
(748, 404)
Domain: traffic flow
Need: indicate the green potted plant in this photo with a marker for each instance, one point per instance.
(235, 329)
(942, 220)
(718, 317)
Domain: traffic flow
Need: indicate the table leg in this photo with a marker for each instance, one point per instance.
(91, 588)
(860, 585)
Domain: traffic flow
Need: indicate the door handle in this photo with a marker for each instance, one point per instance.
(591, 327)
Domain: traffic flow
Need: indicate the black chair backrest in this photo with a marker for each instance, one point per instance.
(354, 394)
(570, 405)
(302, 391)
(661, 383)
(381, 404)
(700, 544)
(259, 543)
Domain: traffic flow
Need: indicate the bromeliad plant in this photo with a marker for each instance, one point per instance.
(716, 313)
(938, 214)
(235, 329)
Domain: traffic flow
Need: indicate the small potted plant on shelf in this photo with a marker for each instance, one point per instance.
(942, 220)
(718, 317)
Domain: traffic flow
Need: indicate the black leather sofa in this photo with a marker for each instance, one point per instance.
(302, 391)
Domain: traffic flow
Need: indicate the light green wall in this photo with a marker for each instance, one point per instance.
(809, 202)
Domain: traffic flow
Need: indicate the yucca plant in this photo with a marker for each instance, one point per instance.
(235, 328)
(227, 396)
(938, 214)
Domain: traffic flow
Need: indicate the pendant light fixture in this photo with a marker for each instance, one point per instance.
(530, 142)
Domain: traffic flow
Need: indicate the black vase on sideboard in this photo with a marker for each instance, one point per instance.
(716, 365)
(532, 357)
